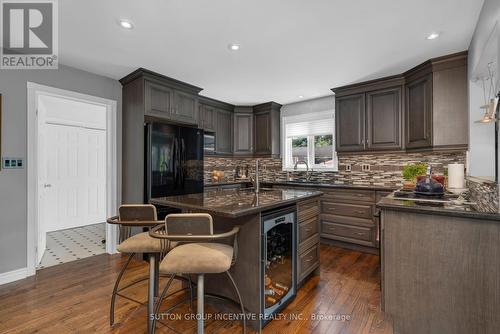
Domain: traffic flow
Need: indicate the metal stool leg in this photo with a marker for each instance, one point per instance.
(241, 301)
(115, 290)
(200, 302)
(190, 293)
(160, 301)
(151, 291)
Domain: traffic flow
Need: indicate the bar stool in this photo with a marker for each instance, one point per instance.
(139, 215)
(197, 255)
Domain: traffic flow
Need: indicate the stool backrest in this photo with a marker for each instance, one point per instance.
(189, 224)
(137, 212)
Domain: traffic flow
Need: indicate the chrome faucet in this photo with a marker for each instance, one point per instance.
(256, 180)
(308, 174)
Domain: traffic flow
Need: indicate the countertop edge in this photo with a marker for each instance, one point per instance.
(234, 215)
(440, 211)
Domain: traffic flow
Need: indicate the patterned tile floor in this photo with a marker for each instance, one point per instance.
(73, 244)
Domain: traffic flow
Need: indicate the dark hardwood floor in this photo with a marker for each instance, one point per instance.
(74, 298)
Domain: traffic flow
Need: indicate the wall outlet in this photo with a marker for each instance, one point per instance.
(348, 167)
(365, 167)
(12, 163)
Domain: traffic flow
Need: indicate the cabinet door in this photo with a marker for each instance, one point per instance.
(383, 112)
(224, 133)
(185, 107)
(158, 100)
(207, 118)
(262, 134)
(418, 113)
(243, 133)
(350, 123)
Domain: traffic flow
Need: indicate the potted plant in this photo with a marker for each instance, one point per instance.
(410, 174)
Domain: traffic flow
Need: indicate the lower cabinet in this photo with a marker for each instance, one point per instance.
(308, 235)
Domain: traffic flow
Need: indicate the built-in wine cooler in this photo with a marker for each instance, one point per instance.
(279, 260)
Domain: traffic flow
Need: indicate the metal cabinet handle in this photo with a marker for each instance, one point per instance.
(359, 233)
(308, 229)
(359, 211)
(46, 185)
(310, 259)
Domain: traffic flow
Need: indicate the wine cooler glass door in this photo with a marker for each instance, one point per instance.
(279, 261)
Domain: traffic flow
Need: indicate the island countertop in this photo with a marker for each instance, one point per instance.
(233, 203)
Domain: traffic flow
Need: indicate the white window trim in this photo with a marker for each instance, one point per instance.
(286, 144)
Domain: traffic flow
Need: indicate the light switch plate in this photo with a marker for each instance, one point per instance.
(365, 167)
(348, 167)
(12, 163)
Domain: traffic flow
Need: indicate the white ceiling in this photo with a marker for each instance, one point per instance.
(288, 47)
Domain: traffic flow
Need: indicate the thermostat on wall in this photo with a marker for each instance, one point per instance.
(12, 163)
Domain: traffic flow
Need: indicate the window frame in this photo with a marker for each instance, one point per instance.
(287, 145)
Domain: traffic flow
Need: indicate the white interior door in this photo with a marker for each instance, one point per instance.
(72, 166)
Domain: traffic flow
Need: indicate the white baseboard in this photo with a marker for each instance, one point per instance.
(13, 275)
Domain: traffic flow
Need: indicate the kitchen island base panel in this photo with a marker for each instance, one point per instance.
(444, 269)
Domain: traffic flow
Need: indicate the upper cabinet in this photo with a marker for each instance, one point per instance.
(224, 132)
(383, 119)
(369, 116)
(436, 104)
(163, 97)
(207, 117)
(243, 131)
(422, 109)
(350, 114)
(418, 111)
(266, 132)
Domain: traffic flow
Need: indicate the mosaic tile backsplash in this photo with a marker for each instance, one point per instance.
(484, 194)
(385, 169)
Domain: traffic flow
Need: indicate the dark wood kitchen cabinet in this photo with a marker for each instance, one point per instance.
(243, 131)
(350, 123)
(267, 129)
(149, 96)
(383, 119)
(424, 108)
(436, 104)
(419, 112)
(185, 107)
(224, 132)
(158, 100)
(368, 116)
(207, 117)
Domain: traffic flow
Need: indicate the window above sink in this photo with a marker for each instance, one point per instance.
(309, 139)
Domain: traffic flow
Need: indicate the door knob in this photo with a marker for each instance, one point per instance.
(46, 185)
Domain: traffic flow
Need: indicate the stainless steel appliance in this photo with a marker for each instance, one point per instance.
(209, 143)
(279, 261)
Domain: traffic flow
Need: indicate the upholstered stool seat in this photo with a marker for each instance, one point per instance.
(142, 243)
(199, 254)
(198, 258)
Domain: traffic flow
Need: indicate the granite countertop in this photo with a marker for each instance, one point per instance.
(306, 184)
(332, 185)
(235, 203)
(446, 209)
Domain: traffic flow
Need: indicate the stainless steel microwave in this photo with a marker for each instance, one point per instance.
(209, 143)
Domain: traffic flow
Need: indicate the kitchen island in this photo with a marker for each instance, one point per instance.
(440, 262)
(278, 243)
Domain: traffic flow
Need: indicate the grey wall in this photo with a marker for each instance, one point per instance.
(13, 214)
(484, 48)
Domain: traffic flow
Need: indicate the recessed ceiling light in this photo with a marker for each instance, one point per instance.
(301, 96)
(233, 47)
(433, 35)
(126, 24)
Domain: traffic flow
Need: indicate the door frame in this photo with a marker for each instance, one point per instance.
(33, 92)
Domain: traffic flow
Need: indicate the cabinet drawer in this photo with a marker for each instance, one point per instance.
(347, 195)
(346, 231)
(307, 229)
(308, 261)
(344, 209)
(307, 210)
